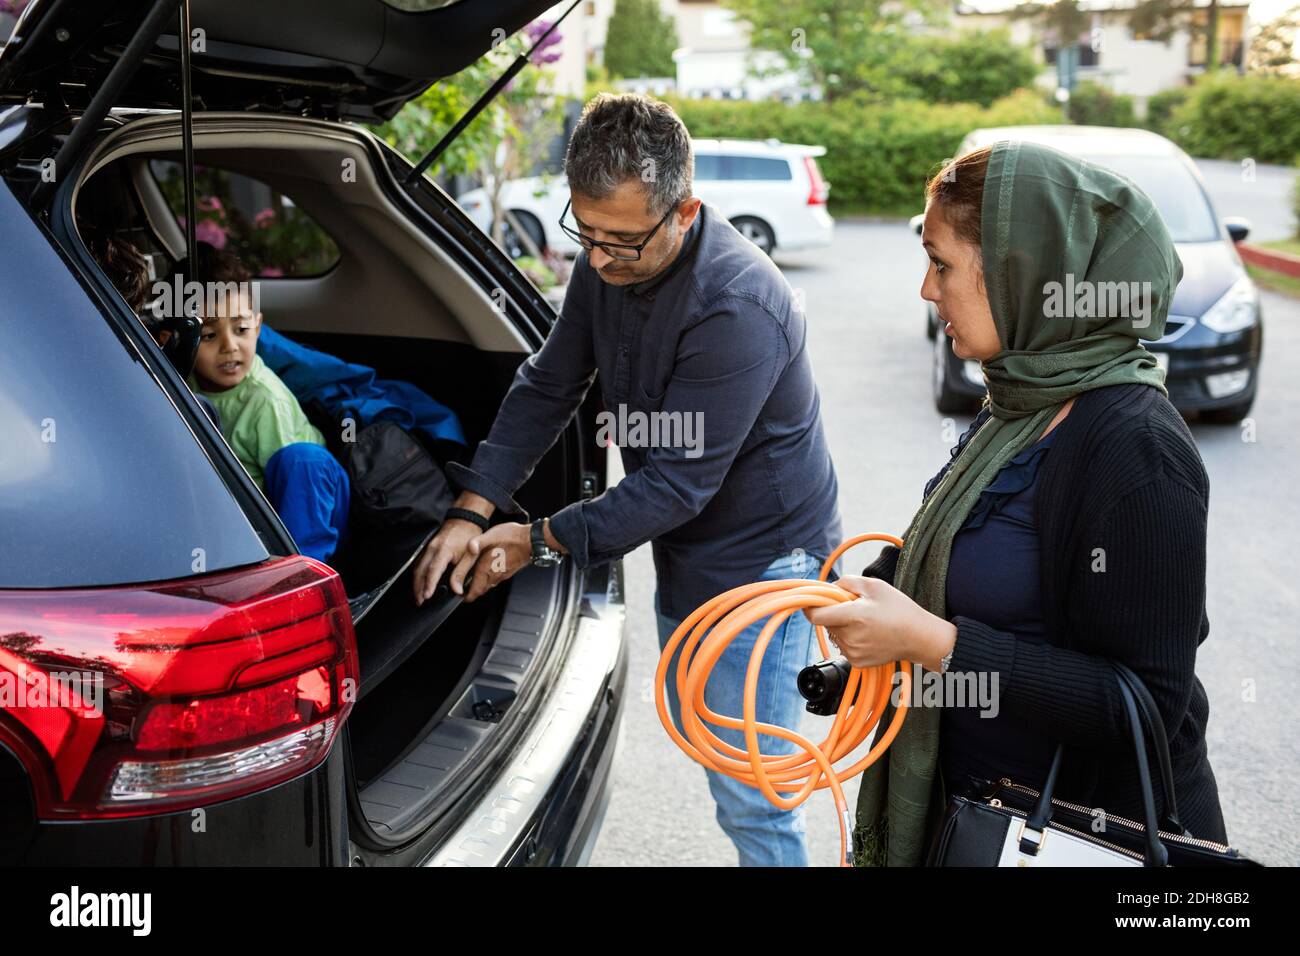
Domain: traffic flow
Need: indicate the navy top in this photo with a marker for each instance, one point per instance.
(993, 577)
(709, 395)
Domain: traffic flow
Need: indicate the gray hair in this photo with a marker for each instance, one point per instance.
(630, 136)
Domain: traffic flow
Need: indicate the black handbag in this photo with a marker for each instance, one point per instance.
(1008, 824)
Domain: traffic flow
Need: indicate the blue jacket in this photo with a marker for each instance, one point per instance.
(709, 394)
(347, 390)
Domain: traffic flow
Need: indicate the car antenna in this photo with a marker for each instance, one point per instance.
(186, 328)
(482, 102)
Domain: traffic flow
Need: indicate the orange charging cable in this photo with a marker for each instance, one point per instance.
(708, 632)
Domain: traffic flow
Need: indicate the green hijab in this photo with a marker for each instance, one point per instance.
(1058, 235)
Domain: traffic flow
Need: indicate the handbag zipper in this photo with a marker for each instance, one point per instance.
(1006, 782)
(1053, 825)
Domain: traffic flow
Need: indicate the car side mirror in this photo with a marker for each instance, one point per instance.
(1238, 227)
(916, 222)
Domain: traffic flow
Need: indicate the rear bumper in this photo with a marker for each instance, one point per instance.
(815, 230)
(548, 800)
(543, 808)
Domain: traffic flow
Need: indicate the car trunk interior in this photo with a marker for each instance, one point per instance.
(436, 679)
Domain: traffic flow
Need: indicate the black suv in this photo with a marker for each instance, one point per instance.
(178, 685)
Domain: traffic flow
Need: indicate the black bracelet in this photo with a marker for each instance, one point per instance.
(464, 514)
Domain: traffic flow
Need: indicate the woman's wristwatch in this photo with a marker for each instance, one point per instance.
(544, 556)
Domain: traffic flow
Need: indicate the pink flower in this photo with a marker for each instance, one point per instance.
(271, 272)
(264, 218)
(210, 204)
(543, 54)
(211, 233)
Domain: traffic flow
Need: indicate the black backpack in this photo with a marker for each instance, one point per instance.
(399, 497)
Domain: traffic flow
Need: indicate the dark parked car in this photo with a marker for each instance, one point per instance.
(236, 703)
(1214, 334)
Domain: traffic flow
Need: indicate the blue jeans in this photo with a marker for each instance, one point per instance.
(763, 834)
(310, 491)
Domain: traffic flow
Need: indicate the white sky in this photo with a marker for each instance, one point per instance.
(1261, 11)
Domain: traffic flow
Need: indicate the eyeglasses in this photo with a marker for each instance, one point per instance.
(618, 250)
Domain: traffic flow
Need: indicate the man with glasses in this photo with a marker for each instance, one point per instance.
(676, 315)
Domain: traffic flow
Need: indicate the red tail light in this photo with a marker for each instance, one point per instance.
(820, 189)
(140, 699)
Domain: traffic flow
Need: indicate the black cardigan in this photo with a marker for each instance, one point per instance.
(1124, 484)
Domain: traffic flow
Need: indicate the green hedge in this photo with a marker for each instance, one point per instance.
(1227, 116)
(1161, 107)
(1295, 204)
(878, 156)
(1092, 104)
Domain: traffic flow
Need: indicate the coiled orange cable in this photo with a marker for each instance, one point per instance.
(707, 633)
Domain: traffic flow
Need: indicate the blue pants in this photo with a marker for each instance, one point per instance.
(310, 490)
(763, 834)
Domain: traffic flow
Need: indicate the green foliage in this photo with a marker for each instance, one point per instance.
(878, 155)
(277, 240)
(1295, 205)
(419, 125)
(640, 40)
(1226, 116)
(845, 48)
(1092, 104)
(1161, 106)
(973, 66)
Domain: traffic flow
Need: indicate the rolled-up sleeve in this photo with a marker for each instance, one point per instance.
(547, 391)
(726, 367)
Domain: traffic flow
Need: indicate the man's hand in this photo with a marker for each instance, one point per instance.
(449, 548)
(445, 549)
(499, 553)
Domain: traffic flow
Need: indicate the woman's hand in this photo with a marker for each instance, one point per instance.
(882, 625)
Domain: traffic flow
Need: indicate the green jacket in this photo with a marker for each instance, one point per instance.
(259, 416)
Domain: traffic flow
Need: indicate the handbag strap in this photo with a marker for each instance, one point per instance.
(1155, 728)
(1140, 709)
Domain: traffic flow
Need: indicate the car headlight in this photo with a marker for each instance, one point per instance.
(1237, 309)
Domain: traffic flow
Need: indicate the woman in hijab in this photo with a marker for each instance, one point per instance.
(1068, 527)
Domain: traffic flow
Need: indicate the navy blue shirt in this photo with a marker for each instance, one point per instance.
(993, 578)
(717, 336)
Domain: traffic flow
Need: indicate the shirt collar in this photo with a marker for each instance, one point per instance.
(689, 242)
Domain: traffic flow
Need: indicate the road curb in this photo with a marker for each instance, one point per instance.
(1282, 262)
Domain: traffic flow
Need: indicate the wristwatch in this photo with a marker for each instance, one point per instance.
(544, 556)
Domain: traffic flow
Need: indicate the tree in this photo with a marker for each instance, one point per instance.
(974, 66)
(841, 48)
(640, 40)
(1273, 48)
(506, 139)
(1062, 22)
(1161, 19)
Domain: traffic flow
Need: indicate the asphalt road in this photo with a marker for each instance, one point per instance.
(872, 362)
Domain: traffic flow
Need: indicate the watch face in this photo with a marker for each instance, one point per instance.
(547, 559)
